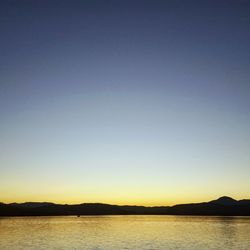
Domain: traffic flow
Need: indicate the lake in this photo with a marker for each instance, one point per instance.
(125, 232)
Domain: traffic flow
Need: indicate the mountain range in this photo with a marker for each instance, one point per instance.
(224, 206)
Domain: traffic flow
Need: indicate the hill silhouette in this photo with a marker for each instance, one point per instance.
(223, 206)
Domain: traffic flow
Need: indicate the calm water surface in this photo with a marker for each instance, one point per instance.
(125, 232)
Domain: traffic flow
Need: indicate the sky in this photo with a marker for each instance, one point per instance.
(124, 102)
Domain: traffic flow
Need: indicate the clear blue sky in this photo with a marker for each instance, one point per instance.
(143, 102)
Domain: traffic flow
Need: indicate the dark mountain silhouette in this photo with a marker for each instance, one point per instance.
(225, 200)
(244, 202)
(223, 206)
(31, 204)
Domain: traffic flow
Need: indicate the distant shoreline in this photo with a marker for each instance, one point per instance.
(224, 206)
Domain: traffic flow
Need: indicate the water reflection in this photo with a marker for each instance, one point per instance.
(125, 232)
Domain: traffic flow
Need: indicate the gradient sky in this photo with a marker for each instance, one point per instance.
(124, 102)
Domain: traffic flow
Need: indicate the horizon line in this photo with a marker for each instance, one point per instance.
(225, 197)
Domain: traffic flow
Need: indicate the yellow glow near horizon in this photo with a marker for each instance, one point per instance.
(109, 196)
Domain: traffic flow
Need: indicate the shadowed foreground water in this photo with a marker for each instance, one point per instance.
(125, 232)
